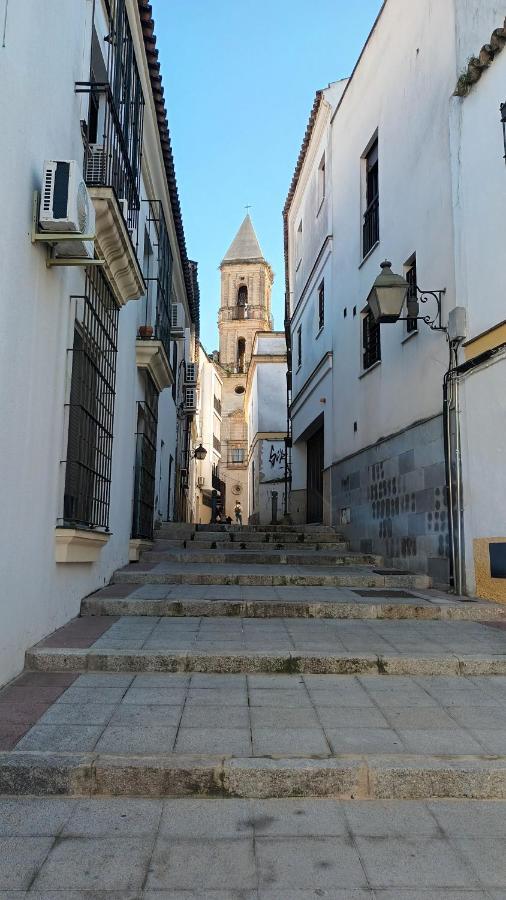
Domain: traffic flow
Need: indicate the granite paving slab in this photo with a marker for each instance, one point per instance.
(257, 849)
(281, 716)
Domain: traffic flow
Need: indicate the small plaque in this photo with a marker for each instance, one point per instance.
(497, 560)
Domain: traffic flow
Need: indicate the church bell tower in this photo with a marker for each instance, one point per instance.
(245, 308)
(246, 283)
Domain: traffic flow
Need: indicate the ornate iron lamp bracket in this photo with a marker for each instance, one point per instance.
(433, 321)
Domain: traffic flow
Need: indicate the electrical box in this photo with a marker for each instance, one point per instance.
(457, 324)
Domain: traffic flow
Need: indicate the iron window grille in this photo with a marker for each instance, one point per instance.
(299, 346)
(412, 295)
(371, 341)
(113, 131)
(321, 305)
(370, 232)
(91, 406)
(216, 443)
(145, 462)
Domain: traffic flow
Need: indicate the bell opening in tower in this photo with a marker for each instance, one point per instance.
(242, 295)
(241, 352)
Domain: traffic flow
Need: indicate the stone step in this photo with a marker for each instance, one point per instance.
(353, 777)
(227, 601)
(271, 557)
(189, 734)
(195, 573)
(251, 537)
(267, 529)
(266, 546)
(68, 659)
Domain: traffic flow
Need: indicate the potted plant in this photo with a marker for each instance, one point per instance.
(145, 332)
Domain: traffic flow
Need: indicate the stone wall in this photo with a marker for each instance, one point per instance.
(390, 499)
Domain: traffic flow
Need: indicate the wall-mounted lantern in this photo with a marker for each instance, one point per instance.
(389, 293)
(200, 452)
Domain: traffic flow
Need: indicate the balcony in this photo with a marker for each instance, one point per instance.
(217, 405)
(218, 484)
(239, 312)
(153, 342)
(216, 444)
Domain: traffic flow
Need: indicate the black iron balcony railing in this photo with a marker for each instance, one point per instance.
(216, 443)
(371, 226)
(217, 405)
(112, 158)
(218, 484)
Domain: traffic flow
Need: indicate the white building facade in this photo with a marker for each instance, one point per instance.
(265, 411)
(393, 167)
(92, 373)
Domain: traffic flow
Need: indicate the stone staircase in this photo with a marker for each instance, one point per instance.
(263, 662)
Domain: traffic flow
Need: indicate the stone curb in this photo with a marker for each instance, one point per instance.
(280, 609)
(351, 579)
(346, 777)
(62, 659)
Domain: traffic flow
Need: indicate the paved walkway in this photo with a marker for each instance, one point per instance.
(121, 849)
(261, 715)
(245, 731)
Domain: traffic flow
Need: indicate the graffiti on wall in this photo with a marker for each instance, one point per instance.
(272, 460)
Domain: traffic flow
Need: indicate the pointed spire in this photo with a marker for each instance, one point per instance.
(245, 245)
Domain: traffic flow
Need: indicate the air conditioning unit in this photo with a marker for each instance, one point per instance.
(190, 375)
(66, 206)
(177, 320)
(201, 481)
(190, 401)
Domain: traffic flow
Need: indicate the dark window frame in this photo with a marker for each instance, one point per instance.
(411, 278)
(321, 305)
(370, 228)
(371, 341)
(299, 346)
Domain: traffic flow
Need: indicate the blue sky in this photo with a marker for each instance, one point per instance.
(240, 80)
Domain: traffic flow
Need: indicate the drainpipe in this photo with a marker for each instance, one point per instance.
(453, 467)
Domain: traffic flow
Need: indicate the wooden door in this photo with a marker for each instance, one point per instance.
(315, 478)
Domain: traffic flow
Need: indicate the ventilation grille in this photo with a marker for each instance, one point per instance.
(95, 164)
(48, 190)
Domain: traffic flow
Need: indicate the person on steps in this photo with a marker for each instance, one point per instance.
(238, 513)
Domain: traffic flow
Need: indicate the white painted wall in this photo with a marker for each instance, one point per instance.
(43, 112)
(265, 410)
(479, 181)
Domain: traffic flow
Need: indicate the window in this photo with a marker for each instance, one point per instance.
(237, 455)
(370, 234)
(412, 297)
(371, 341)
(321, 182)
(299, 346)
(242, 295)
(298, 245)
(241, 352)
(321, 305)
(91, 406)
